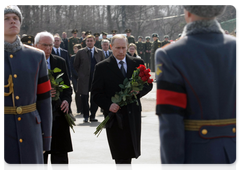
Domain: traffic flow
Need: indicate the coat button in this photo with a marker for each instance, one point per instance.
(20, 140)
(11, 56)
(204, 131)
(19, 110)
(15, 75)
(17, 97)
(234, 130)
(19, 118)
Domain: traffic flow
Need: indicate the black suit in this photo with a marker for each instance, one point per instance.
(64, 54)
(124, 143)
(64, 44)
(109, 53)
(61, 139)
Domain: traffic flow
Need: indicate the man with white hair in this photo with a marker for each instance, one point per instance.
(105, 47)
(61, 139)
(196, 92)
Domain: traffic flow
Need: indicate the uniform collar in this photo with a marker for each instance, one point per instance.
(202, 26)
(13, 47)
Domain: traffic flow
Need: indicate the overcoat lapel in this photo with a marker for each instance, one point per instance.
(114, 67)
(130, 66)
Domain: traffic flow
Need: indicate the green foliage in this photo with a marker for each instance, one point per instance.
(58, 83)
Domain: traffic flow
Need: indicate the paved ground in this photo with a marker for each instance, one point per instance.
(89, 149)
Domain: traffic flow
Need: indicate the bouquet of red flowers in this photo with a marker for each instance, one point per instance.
(129, 91)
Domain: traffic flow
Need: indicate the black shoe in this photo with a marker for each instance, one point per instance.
(93, 120)
(85, 120)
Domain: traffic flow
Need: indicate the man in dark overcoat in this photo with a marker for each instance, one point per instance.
(196, 95)
(57, 50)
(84, 64)
(124, 141)
(61, 138)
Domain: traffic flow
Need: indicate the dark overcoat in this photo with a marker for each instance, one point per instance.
(61, 137)
(82, 64)
(124, 143)
(27, 135)
(196, 79)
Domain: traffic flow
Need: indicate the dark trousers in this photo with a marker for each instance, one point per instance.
(56, 158)
(123, 164)
(77, 95)
(85, 107)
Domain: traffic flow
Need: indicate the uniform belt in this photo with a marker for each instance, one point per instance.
(195, 125)
(20, 109)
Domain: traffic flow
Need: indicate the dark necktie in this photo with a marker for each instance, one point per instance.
(58, 53)
(122, 69)
(106, 54)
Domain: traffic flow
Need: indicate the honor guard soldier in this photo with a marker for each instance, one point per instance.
(196, 92)
(148, 47)
(165, 41)
(27, 102)
(129, 36)
(72, 41)
(155, 45)
(114, 32)
(237, 32)
(104, 36)
(141, 48)
(83, 43)
(28, 40)
(97, 43)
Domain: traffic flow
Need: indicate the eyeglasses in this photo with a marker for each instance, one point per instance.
(46, 45)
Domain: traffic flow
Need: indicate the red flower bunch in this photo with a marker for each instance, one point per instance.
(145, 74)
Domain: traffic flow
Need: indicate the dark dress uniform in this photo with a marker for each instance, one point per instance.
(64, 44)
(71, 42)
(196, 96)
(148, 47)
(155, 45)
(164, 42)
(141, 48)
(98, 44)
(27, 105)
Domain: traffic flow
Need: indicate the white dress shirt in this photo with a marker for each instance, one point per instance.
(59, 51)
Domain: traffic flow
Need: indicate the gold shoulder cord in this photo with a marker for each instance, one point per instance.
(10, 85)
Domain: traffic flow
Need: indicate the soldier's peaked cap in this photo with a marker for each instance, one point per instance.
(104, 33)
(29, 39)
(154, 35)
(206, 11)
(96, 34)
(128, 30)
(114, 31)
(166, 36)
(88, 32)
(74, 31)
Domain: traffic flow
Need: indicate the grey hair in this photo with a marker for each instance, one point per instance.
(119, 36)
(42, 34)
(105, 41)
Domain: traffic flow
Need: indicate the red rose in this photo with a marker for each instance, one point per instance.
(144, 78)
(142, 67)
(148, 75)
(141, 74)
(147, 71)
(150, 81)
